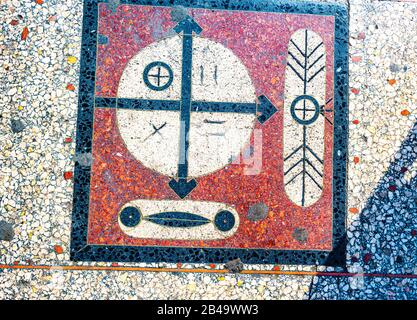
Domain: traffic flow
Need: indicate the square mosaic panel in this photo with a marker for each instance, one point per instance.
(210, 131)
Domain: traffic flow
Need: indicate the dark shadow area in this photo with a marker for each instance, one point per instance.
(383, 239)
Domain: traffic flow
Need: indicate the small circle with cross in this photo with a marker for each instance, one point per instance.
(158, 75)
(305, 109)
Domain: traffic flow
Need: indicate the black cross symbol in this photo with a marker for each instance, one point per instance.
(264, 109)
(158, 76)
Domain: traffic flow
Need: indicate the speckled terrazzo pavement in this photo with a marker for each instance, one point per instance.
(185, 130)
(39, 75)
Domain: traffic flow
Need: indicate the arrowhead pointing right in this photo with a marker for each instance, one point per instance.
(266, 108)
(188, 26)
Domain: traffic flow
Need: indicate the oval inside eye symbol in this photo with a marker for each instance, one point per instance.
(158, 75)
(224, 220)
(130, 216)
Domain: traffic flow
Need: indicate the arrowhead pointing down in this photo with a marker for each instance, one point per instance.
(182, 187)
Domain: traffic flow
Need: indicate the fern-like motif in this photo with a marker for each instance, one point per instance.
(305, 112)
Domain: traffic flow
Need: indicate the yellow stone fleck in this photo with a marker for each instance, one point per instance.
(261, 289)
(192, 286)
(20, 108)
(220, 278)
(46, 278)
(123, 277)
(72, 59)
(371, 129)
(239, 283)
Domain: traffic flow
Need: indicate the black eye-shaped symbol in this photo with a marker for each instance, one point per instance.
(158, 75)
(131, 217)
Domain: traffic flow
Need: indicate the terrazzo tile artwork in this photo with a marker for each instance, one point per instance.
(208, 133)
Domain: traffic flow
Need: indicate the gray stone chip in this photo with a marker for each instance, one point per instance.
(258, 211)
(17, 125)
(234, 266)
(6, 231)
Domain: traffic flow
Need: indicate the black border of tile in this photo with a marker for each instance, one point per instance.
(81, 251)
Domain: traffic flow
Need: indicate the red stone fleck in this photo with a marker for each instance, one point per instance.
(68, 140)
(70, 87)
(414, 232)
(114, 264)
(58, 249)
(179, 265)
(25, 33)
(392, 188)
(356, 59)
(276, 268)
(354, 210)
(212, 265)
(68, 175)
(39, 1)
(405, 113)
(367, 257)
(356, 121)
(14, 22)
(361, 36)
(354, 90)
(356, 160)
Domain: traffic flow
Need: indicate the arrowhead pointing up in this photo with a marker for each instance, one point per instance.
(266, 108)
(188, 26)
(182, 187)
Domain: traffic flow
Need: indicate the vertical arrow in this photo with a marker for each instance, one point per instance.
(182, 187)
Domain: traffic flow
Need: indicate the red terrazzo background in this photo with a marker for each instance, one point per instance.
(260, 41)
